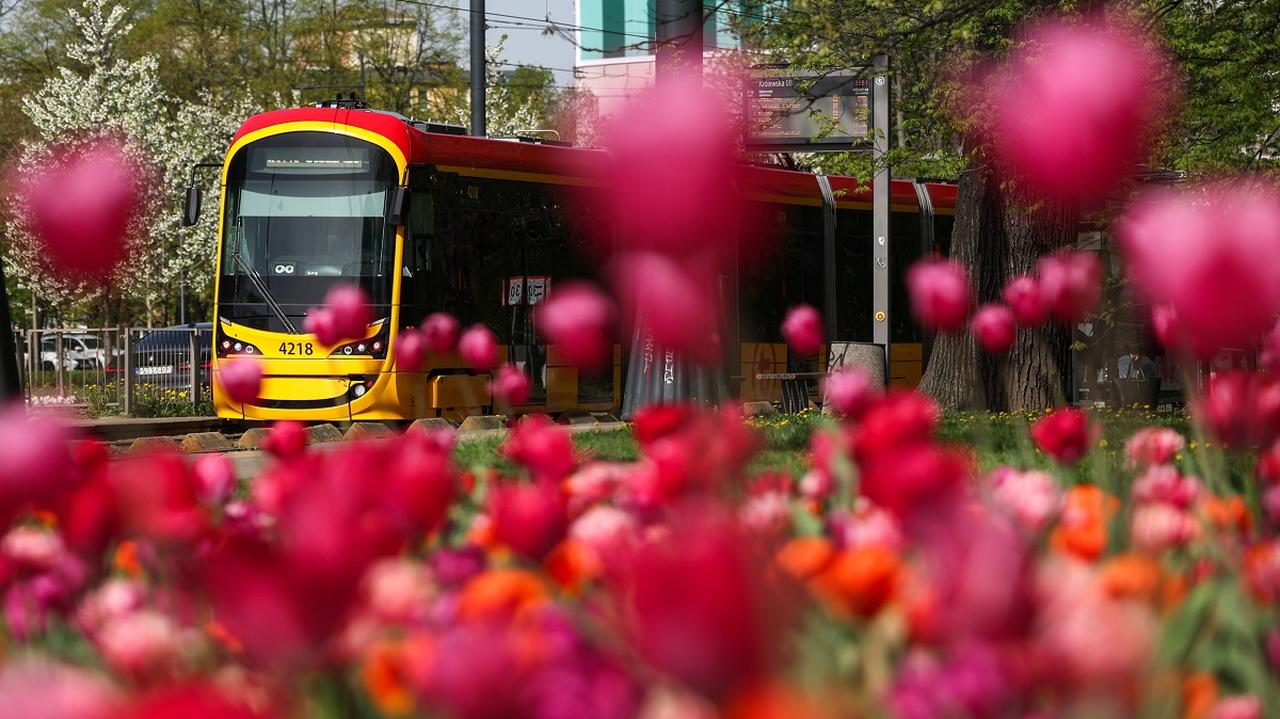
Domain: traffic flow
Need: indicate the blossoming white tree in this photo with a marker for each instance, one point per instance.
(108, 94)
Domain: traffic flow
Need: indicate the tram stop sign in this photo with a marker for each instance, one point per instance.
(789, 111)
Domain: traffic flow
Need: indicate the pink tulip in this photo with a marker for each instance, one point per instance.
(1240, 408)
(241, 379)
(1025, 298)
(1031, 498)
(410, 350)
(528, 518)
(398, 590)
(850, 391)
(608, 532)
(1152, 446)
(352, 314)
(1160, 527)
(418, 484)
(323, 323)
(867, 526)
(36, 688)
(939, 294)
(1269, 358)
(578, 319)
(1071, 284)
(1064, 434)
(511, 386)
(673, 300)
(1059, 130)
(994, 328)
(159, 499)
(1212, 254)
(140, 643)
(802, 328)
(1244, 706)
(674, 151)
(916, 481)
(196, 701)
(215, 477)
(1168, 330)
(1164, 484)
(83, 205)
(479, 348)
(440, 330)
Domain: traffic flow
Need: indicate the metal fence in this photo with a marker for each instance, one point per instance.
(116, 370)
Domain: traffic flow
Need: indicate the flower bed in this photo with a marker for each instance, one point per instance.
(895, 575)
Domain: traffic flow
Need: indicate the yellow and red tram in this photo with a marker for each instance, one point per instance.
(311, 197)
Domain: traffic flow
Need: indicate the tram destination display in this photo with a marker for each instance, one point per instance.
(792, 111)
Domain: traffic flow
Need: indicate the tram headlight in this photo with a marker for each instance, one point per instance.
(374, 347)
(359, 390)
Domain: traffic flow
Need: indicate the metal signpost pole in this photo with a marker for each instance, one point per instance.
(10, 382)
(881, 265)
(477, 69)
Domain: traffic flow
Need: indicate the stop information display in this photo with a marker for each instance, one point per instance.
(819, 109)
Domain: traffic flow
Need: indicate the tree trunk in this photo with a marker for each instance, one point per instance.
(996, 237)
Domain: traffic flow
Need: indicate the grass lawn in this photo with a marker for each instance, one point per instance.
(997, 438)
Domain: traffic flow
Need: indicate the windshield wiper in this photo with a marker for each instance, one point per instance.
(261, 286)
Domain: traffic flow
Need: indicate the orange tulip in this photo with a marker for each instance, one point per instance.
(1199, 694)
(1227, 513)
(572, 565)
(770, 701)
(501, 594)
(1133, 576)
(804, 557)
(126, 559)
(860, 581)
(1082, 531)
(384, 678)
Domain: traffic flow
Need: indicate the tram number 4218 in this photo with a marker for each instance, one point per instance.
(296, 348)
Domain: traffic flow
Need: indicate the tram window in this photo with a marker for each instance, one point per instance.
(853, 276)
(905, 250)
(787, 274)
(419, 235)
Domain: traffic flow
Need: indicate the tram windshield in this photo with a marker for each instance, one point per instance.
(304, 211)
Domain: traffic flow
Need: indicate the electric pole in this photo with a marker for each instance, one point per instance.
(679, 48)
(477, 68)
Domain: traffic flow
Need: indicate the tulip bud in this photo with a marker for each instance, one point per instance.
(939, 294)
(241, 379)
(479, 348)
(993, 326)
(440, 330)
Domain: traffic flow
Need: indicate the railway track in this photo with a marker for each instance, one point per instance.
(205, 435)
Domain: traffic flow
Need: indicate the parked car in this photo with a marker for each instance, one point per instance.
(79, 352)
(163, 356)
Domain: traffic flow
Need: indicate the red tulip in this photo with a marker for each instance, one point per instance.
(1026, 300)
(479, 348)
(1071, 284)
(287, 439)
(850, 391)
(1061, 131)
(241, 379)
(158, 498)
(511, 385)
(541, 446)
(410, 351)
(898, 419)
(720, 631)
(1212, 254)
(419, 484)
(35, 460)
(578, 319)
(531, 519)
(660, 420)
(1064, 434)
(83, 206)
(939, 294)
(993, 326)
(192, 701)
(802, 328)
(916, 481)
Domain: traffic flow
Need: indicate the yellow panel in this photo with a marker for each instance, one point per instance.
(906, 372)
(303, 388)
(459, 390)
(906, 351)
(562, 388)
